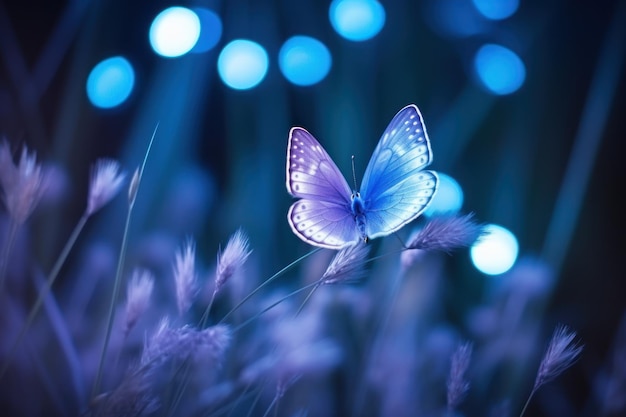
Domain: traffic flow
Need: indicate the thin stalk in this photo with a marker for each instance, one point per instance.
(133, 190)
(256, 400)
(271, 306)
(6, 251)
(207, 310)
(532, 393)
(267, 282)
(113, 302)
(43, 292)
(269, 407)
(308, 296)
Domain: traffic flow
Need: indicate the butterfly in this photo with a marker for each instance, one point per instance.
(395, 188)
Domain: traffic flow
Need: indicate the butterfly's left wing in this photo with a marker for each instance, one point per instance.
(395, 188)
(323, 216)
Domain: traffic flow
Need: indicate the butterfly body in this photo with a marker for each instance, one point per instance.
(395, 188)
(359, 212)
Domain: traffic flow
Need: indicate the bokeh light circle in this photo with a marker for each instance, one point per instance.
(304, 60)
(357, 20)
(496, 9)
(210, 30)
(242, 64)
(448, 199)
(499, 69)
(110, 82)
(496, 251)
(174, 31)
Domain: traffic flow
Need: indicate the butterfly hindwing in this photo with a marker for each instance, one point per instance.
(395, 188)
(322, 223)
(323, 216)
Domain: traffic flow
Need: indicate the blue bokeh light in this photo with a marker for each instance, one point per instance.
(110, 82)
(304, 60)
(496, 9)
(210, 30)
(496, 251)
(448, 199)
(242, 64)
(499, 69)
(174, 31)
(357, 20)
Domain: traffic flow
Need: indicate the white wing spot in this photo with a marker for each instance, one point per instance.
(406, 122)
(393, 132)
(414, 123)
(408, 129)
(412, 117)
(295, 146)
(301, 160)
(301, 150)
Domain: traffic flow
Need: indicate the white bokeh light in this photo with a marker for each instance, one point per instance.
(174, 31)
(357, 20)
(496, 251)
(242, 64)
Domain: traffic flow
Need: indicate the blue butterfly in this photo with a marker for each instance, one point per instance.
(395, 189)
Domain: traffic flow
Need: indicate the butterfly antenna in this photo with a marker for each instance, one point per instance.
(354, 175)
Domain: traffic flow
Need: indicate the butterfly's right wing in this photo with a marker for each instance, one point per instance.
(323, 216)
(395, 186)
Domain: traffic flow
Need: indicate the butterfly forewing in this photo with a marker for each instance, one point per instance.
(311, 173)
(323, 217)
(395, 189)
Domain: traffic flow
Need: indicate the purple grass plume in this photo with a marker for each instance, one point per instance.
(231, 258)
(560, 355)
(446, 233)
(348, 265)
(106, 182)
(457, 384)
(22, 184)
(179, 343)
(185, 276)
(137, 297)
